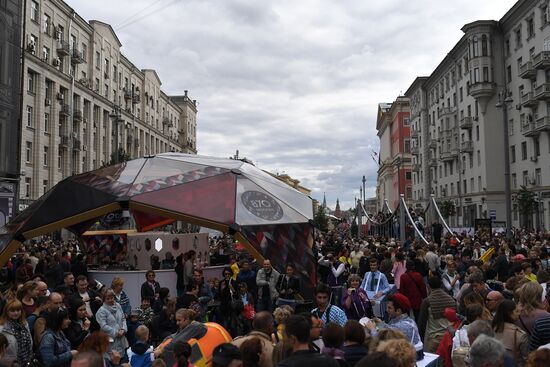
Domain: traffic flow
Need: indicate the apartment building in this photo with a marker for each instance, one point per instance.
(85, 104)
(497, 76)
(394, 169)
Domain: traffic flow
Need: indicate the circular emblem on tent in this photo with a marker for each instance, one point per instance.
(262, 205)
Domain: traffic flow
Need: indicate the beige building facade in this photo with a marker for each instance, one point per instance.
(459, 150)
(82, 98)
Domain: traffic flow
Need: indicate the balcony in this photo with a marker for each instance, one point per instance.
(449, 155)
(77, 115)
(76, 144)
(166, 121)
(135, 99)
(541, 60)
(543, 123)
(529, 129)
(482, 89)
(64, 141)
(467, 146)
(63, 48)
(416, 167)
(542, 92)
(415, 133)
(467, 123)
(64, 109)
(414, 149)
(527, 71)
(432, 144)
(127, 94)
(77, 57)
(432, 162)
(447, 111)
(528, 100)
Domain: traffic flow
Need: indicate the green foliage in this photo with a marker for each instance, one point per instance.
(321, 220)
(526, 204)
(447, 208)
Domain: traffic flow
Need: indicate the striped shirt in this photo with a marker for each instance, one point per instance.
(541, 333)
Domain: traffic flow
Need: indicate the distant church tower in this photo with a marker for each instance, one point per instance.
(337, 212)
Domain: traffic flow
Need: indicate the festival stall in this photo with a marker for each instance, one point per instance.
(271, 219)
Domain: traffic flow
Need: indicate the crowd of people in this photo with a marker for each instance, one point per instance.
(378, 301)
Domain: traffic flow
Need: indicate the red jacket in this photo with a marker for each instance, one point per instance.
(412, 285)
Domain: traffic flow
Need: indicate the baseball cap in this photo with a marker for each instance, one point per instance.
(223, 354)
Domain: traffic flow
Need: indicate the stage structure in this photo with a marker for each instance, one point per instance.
(395, 222)
(271, 219)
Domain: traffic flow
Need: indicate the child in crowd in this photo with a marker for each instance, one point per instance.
(141, 353)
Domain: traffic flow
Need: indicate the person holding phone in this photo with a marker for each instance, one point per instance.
(356, 302)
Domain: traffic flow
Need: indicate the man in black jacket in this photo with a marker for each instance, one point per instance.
(297, 330)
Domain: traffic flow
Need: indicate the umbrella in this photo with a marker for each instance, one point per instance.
(271, 218)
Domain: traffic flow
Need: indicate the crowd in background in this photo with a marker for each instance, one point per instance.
(378, 301)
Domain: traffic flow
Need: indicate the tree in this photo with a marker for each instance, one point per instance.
(447, 208)
(526, 206)
(321, 220)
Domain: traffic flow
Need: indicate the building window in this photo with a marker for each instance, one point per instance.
(408, 175)
(46, 154)
(34, 11)
(114, 73)
(44, 186)
(512, 154)
(484, 48)
(477, 132)
(97, 60)
(509, 73)
(106, 68)
(29, 116)
(536, 147)
(31, 81)
(27, 187)
(507, 48)
(514, 181)
(523, 151)
(46, 122)
(518, 37)
(530, 28)
(46, 54)
(478, 158)
(28, 152)
(544, 15)
(525, 178)
(406, 121)
(407, 145)
(538, 177)
(106, 90)
(46, 24)
(85, 51)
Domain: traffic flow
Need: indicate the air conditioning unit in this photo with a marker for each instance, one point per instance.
(56, 62)
(534, 159)
(60, 96)
(47, 102)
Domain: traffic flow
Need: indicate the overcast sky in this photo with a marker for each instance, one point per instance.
(293, 85)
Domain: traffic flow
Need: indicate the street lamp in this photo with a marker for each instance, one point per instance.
(116, 116)
(504, 99)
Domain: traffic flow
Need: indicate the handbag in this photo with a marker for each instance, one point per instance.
(460, 353)
(35, 361)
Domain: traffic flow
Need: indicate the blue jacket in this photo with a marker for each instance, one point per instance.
(140, 355)
(55, 349)
(124, 302)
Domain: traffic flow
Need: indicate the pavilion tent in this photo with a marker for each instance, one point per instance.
(272, 219)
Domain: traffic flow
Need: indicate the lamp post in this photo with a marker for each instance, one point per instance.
(401, 207)
(116, 116)
(504, 100)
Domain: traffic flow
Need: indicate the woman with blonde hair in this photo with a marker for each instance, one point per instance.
(110, 318)
(400, 350)
(532, 309)
(120, 296)
(280, 315)
(14, 327)
(383, 335)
